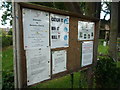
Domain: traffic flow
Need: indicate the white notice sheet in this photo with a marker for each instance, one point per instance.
(38, 65)
(86, 30)
(87, 53)
(59, 59)
(35, 28)
(59, 30)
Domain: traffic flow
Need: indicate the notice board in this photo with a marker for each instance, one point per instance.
(50, 43)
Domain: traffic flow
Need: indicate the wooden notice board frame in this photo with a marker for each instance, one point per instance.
(73, 51)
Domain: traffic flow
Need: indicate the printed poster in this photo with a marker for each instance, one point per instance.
(59, 30)
(38, 65)
(86, 30)
(35, 28)
(87, 53)
(59, 59)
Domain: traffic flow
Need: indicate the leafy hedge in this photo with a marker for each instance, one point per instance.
(107, 75)
(8, 80)
(7, 40)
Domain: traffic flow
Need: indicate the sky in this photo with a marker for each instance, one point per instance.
(1, 12)
(3, 26)
(102, 13)
(8, 25)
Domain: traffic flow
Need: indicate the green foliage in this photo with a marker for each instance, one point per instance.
(118, 64)
(57, 5)
(83, 7)
(7, 68)
(102, 49)
(7, 40)
(10, 32)
(107, 74)
(7, 59)
(8, 80)
(83, 80)
(7, 14)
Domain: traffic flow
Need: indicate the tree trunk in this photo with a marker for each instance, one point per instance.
(93, 9)
(113, 31)
(73, 7)
(119, 21)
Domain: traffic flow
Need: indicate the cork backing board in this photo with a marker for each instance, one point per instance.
(73, 62)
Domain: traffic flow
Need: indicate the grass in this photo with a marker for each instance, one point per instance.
(65, 82)
(102, 49)
(0, 70)
(7, 59)
(119, 55)
(118, 64)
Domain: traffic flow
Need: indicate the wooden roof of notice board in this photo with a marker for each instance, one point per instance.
(57, 11)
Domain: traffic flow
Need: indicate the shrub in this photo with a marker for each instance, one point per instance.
(8, 80)
(107, 75)
(10, 32)
(7, 40)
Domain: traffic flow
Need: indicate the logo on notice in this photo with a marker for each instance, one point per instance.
(65, 37)
(66, 21)
(65, 29)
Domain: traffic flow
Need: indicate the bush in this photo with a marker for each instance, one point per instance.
(10, 32)
(101, 41)
(107, 75)
(7, 40)
(8, 80)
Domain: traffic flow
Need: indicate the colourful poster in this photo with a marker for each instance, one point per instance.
(59, 30)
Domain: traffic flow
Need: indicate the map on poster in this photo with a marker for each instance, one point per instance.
(59, 59)
(35, 28)
(38, 65)
(59, 29)
(87, 53)
(86, 30)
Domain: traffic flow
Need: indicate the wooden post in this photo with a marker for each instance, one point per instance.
(119, 20)
(73, 7)
(113, 31)
(72, 79)
(16, 46)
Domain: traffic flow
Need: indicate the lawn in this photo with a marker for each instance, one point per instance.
(118, 64)
(102, 49)
(63, 82)
(7, 59)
